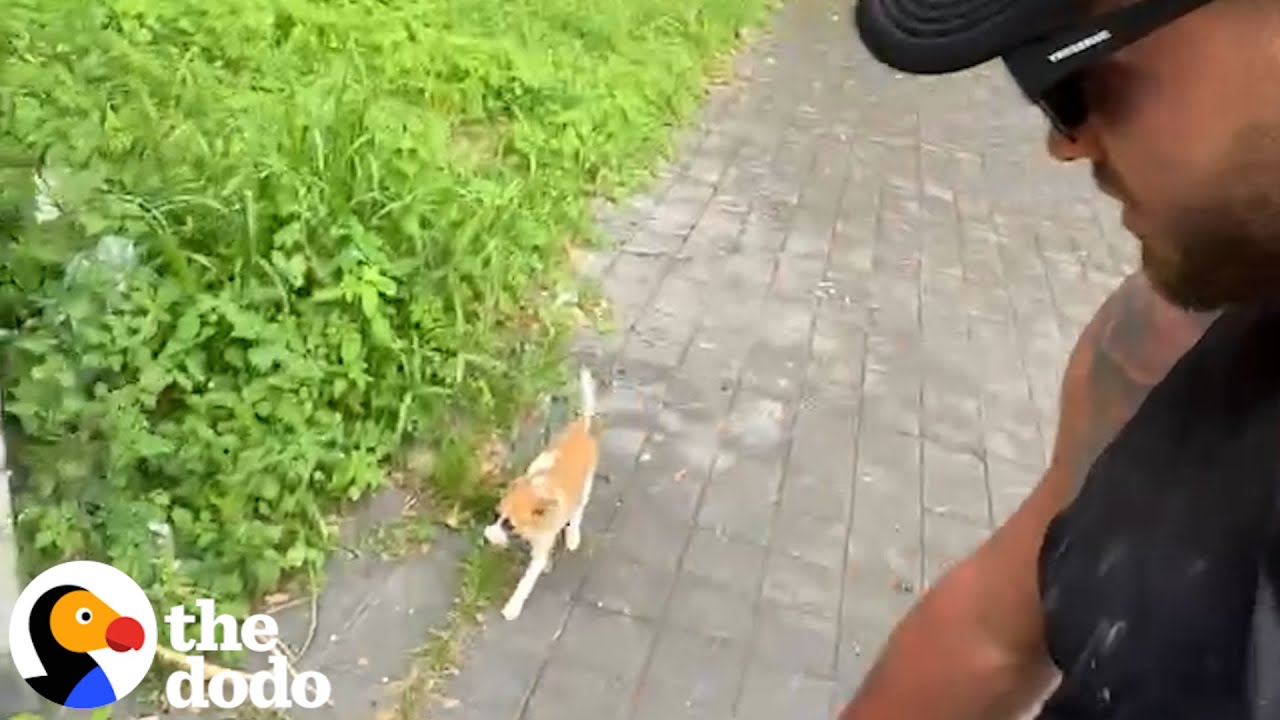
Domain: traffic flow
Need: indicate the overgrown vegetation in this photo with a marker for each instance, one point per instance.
(250, 247)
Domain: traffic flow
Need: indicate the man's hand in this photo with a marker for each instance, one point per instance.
(973, 647)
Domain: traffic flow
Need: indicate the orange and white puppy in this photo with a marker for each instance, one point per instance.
(550, 496)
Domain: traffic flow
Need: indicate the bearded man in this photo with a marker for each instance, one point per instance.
(1141, 573)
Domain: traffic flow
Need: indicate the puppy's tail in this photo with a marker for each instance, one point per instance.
(588, 384)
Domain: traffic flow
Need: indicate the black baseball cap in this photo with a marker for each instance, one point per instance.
(1044, 43)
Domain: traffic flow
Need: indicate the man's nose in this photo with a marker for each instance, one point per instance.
(1082, 145)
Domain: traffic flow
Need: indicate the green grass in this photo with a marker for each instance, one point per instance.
(485, 574)
(349, 220)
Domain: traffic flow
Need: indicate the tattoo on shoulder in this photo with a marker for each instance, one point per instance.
(1132, 343)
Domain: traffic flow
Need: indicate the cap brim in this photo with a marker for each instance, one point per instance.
(933, 37)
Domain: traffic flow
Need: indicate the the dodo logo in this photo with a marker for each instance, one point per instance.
(83, 634)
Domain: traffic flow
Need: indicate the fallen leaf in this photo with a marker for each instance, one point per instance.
(681, 475)
(449, 703)
(453, 519)
(493, 460)
(410, 502)
(276, 599)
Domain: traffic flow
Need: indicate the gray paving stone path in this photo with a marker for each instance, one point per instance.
(845, 313)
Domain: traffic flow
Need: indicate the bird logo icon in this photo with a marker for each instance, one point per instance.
(83, 634)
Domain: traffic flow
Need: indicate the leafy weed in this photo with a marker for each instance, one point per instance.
(251, 250)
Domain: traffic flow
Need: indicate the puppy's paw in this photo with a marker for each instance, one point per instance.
(511, 610)
(572, 538)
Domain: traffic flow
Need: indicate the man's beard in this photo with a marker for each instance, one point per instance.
(1223, 247)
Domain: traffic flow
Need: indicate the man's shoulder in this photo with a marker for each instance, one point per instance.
(1141, 332)
(1132, 342)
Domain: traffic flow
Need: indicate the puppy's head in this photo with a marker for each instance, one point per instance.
(530, 508)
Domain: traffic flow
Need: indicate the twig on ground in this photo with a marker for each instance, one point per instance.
(174, 658)
(315, 617)
(282, 650)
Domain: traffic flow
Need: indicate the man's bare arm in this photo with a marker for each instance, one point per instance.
(973, 647)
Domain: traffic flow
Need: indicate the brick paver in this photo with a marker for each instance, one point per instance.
(846, 310)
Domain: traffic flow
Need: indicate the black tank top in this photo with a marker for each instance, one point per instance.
(1150, 578)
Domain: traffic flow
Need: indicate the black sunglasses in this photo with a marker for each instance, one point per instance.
(1049, 70)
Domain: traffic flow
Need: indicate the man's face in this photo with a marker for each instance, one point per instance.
(1185, 133)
